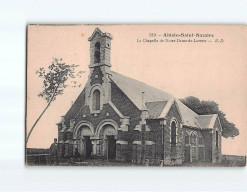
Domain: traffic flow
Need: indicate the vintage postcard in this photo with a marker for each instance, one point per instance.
(136, 95)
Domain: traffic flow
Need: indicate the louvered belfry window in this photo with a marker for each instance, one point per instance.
(97, 53)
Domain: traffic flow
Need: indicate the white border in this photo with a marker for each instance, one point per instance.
(15, 15)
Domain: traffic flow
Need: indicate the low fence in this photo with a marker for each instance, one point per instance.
(38, 156)
(233, 161)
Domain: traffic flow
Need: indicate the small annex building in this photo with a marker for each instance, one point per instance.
(117, 117)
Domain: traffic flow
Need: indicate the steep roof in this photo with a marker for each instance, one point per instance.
(207, 121)
(75, 108)
(133, 89)
(97, 30)
(188, 115)
(155, 108)
(157, 101)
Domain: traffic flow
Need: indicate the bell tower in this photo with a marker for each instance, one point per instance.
(100, 48)
(98, 87)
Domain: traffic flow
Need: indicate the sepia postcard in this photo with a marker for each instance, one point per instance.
(136, 95)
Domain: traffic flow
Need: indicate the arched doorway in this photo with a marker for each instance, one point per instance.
(107, 139)
(84, 144)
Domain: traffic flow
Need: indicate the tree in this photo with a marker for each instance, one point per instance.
(55, 80)
(211, 107)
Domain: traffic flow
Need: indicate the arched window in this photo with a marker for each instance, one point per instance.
(96, 100)
(187, 139)
(193, 139)
(83, 131)
(97, 53)
(217, 139)
(173, 133)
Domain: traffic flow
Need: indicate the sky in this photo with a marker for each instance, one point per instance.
(210, 71)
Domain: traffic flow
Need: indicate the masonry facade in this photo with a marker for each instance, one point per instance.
(116, 117)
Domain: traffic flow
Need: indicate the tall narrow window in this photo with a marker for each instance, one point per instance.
(217, 139)
(173, 139)
(193, 139)
(96, 100)
(97, 53)
(173, 133)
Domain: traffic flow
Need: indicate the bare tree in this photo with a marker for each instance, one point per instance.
(55, 80)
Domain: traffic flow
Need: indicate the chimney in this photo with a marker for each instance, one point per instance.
(143, 101)
(144, 114)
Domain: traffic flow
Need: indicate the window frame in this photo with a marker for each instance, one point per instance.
(97, 52)
(216, 138)
(193, 139)
(96, 100)
(176, 130)
(90, 98)
(187, 136)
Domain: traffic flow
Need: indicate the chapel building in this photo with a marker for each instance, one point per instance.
(117, 117)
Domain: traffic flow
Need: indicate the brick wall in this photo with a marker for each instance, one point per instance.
(216, 151)
(96, 79)
(96, 119)
(207, 135)
(75, 108)
(155, 134)
(127, 108)
(157, 150)
(178, 158)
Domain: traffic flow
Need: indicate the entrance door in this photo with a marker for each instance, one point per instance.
(88, 146)
(111, 147)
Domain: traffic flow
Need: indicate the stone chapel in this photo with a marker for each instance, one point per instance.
(119, 118)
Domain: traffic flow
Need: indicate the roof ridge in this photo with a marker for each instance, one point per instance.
(213, 120)
(178, 100)
(141, 83)
(134, 89)
(197, 123)
(157, 101)
(125, 94)
(206, 114)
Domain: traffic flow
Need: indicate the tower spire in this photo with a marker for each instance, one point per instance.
(100, 48)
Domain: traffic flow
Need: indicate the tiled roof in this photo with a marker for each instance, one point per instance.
(133, 89)
(188, 115)
(157, 101)
(155, 108)
(206, 121)
(75, 108)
